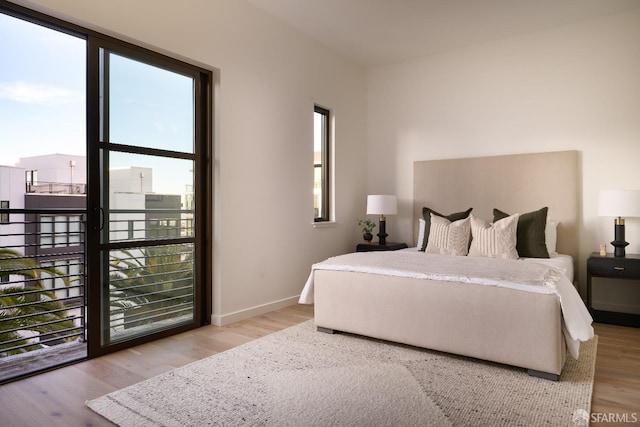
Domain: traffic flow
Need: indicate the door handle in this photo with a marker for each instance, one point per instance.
(98, 218)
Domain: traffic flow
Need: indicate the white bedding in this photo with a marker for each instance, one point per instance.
(515, 274)
(559, 261)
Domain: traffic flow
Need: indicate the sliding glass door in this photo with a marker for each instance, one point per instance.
(42, 196)
(147, 211)
(105, 246)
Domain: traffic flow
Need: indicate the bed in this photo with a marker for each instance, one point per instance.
(401, 297)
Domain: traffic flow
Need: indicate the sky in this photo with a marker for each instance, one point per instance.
(43, 103)
(42, 91)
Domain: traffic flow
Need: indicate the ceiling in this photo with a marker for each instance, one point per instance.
(378, 32)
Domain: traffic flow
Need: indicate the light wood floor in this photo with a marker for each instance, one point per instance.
(57, 398)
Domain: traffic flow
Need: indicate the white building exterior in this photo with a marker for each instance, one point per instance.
(55, 173)
(12, 188)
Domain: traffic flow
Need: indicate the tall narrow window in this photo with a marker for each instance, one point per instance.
(321, 184)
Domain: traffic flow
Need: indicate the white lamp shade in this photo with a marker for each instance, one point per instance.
(622, 203)
(380, 204)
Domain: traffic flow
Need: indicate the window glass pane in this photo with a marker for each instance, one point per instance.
(151, 195)
(317, 191)
(74, 230)
(46, 230)
(320, 164)
(42, 91)
(150, 289)
(74, 223)
(60, 238)
(317, 164)
(150, 106)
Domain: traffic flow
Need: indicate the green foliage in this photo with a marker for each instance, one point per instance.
(367, 225)
(155, 281)
(29, 307)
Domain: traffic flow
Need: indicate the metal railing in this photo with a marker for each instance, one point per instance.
(150, 288)
(42, 279)
(56, 188)
(43, 283)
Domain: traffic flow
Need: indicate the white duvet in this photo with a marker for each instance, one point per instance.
(514, 274)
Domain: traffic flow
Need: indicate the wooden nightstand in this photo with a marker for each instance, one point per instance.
(613, 289)
(375, 246)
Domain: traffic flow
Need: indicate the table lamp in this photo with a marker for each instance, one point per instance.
(619, 204)
(379, 204)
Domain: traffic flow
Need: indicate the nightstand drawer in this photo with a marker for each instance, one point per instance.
(615, 295)
(613, 289)
(614, 267)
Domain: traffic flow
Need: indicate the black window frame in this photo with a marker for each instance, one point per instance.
(324, 215)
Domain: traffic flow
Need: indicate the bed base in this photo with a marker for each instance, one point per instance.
(485, 322)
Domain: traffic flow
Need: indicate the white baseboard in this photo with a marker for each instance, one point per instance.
(225, 319)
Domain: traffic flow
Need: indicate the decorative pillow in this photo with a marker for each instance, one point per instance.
(497, 240)
(426, 215)
(531, 232)
(421, 227)
(551, 236)
(448, 238)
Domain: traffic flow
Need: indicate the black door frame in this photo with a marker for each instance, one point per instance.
(203, 179)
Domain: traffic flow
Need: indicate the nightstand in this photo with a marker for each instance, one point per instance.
(375, 246)
(613, 289)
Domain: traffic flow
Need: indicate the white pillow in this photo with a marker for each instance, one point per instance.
(551, 236)
(497, 240)
(421, 225)
(448, 238)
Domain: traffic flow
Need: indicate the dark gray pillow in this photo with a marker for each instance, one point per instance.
(530, 233)
(426, 215)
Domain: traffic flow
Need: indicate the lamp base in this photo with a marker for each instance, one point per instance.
(618, 248)
(382, 235)
(619, 244)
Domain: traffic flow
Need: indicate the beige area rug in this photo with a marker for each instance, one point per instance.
(300, 377)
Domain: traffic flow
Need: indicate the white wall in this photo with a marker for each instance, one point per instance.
(574, 87)
(269, 77)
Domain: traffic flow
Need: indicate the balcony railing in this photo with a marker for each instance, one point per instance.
(56, 188)
(42, 282)
(42, 289)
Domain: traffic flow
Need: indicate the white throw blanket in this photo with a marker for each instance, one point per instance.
(515, 274)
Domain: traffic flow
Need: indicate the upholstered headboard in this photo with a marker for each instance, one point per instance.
(514, 184)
